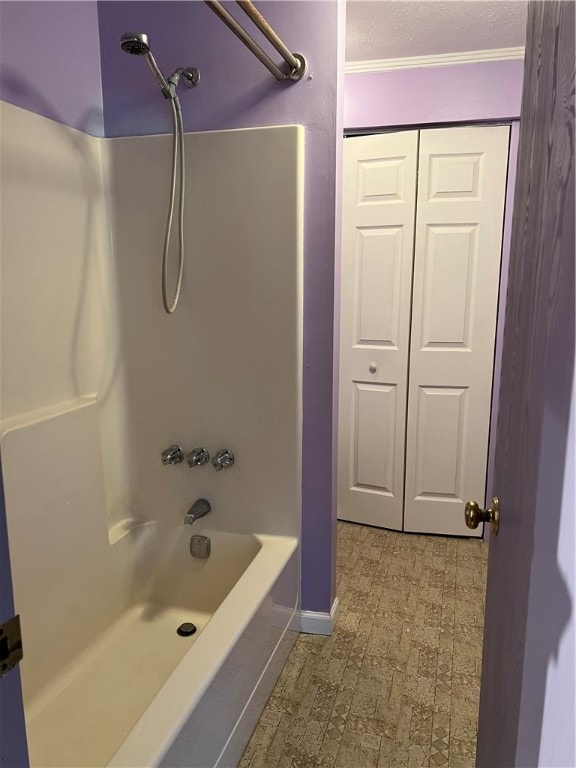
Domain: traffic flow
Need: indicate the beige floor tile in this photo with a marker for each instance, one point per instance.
(398, 682)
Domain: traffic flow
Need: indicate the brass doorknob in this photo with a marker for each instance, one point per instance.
(474, 515)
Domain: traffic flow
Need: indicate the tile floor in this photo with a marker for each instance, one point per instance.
(397, 684)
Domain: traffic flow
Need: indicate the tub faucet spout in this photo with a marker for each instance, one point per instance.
(200, 508)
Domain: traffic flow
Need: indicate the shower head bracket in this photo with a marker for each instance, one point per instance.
(190, 75)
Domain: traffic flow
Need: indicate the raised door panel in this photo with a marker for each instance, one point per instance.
(377, 296)
(374, 411)
(442, 422)
(381, 180)
(447, 286)
(462, 179)
(378, 241)
(442, 417)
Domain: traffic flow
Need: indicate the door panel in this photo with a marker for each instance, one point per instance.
(440, 411)
(450, 256)
(377, 299)
(378, 240)
(461, 189)
(374, 411)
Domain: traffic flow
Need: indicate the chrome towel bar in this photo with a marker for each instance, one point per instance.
(295, 61)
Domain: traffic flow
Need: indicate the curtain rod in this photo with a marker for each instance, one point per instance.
(295, 61)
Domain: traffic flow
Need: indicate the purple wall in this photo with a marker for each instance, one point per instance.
(341, 44)
(50, 61)
(236, 91)
(456, 93)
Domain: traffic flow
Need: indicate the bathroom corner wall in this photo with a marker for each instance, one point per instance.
(60, 377)
(236, 91)
(50, 61)
(57, 331)
(60, 338)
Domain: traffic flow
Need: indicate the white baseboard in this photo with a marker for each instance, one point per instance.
(315, 623)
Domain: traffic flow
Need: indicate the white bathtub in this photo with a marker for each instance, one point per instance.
(141, 695)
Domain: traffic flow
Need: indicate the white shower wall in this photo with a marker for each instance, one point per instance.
(224, 371)
(60, 334)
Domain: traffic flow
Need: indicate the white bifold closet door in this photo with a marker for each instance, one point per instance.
(379, 189)
(418, 317)
(460, 211)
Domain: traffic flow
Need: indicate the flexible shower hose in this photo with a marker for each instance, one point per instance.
(177, 154)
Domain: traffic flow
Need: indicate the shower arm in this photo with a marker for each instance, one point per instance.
(295, 61)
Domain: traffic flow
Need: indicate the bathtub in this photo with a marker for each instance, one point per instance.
(141, 695)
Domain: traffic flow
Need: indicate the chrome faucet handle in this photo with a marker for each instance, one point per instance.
(173, 455)
(198, 457)
(223, 459)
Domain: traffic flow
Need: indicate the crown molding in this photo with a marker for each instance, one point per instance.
(435, 60)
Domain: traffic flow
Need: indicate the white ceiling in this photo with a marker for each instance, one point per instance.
(390, 29)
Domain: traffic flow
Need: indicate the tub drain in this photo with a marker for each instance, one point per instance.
(186, 629)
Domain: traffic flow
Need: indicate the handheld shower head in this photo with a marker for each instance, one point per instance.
(138, 44)
(135, 43)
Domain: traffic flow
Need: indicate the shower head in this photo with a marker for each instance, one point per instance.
(135, 43)
(138, 44)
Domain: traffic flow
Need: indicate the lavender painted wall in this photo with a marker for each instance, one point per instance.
(457, 93)
(337, 278)
(237, 92)
(50, 61)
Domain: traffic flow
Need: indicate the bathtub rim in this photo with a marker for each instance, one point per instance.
(183, 689)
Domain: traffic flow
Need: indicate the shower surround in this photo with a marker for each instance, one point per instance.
(97, 380)
(93, 86)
